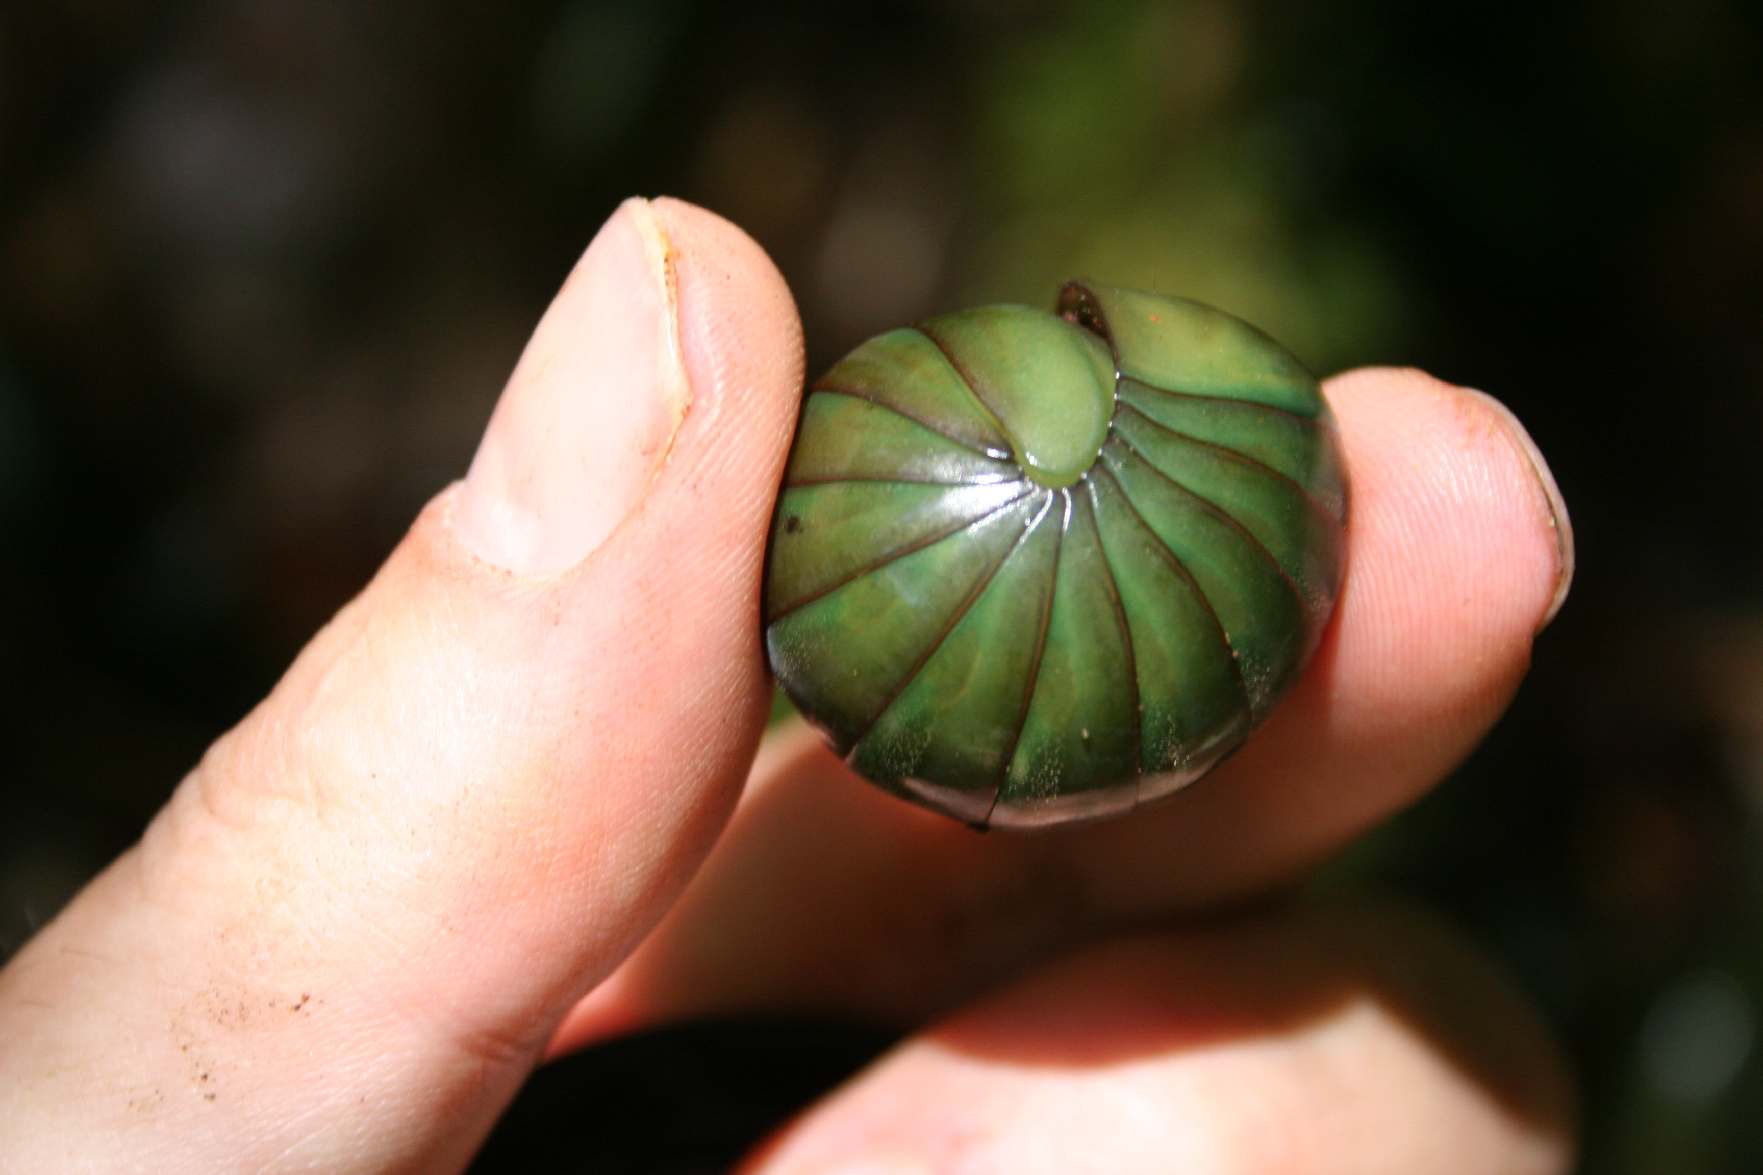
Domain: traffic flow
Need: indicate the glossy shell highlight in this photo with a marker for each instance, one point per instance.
(1032, 568)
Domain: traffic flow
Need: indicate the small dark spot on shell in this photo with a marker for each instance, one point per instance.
(792, 524)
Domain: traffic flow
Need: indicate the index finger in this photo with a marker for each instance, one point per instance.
(826, 893)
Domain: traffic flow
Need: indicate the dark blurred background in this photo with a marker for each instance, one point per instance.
(264, 264)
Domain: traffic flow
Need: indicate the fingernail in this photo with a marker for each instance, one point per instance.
(1559, 522)
(589, 415)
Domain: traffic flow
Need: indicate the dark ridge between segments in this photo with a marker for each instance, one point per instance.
(1034, 672)
(1132, 658)
(897, 553)
(1258, 405)
(954, 618)
(1219, 512)
(994, 454)
(1229, 454)
(966, 378)
(1180, 568)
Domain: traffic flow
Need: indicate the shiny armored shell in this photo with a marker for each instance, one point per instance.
(1032, 568)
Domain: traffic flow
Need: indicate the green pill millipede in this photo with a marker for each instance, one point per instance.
(1032, 568)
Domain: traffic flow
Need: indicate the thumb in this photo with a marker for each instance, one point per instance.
(347, 937)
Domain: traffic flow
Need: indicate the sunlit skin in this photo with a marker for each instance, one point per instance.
(506, 805)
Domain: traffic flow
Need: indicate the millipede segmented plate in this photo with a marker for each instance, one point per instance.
(1031, 568)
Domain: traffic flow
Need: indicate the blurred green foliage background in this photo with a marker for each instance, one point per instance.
(264, 264)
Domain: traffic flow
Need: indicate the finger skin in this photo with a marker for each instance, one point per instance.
(828, 893)
(1308, 1042)
(344, 941)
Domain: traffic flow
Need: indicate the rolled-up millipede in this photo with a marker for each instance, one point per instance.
(1031, 568)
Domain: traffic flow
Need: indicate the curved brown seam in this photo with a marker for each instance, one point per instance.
(850, 393)
(979, 589)
(1181, 569)
(1229, 454)
(808, 482)
(897, 553)
(967, 381)
(1034, 673)
(1218, 511)
(1261, 405)
(1132, 660)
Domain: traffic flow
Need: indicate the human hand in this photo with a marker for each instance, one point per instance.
(495, 811)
